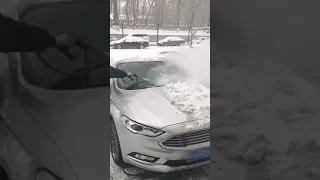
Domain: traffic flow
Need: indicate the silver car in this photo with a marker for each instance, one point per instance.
(146, 130)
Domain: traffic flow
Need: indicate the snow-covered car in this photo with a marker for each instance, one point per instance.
(130, 42)
(201, 40)
(51, 130)
(147, 130)
(113, 38)
(144, 36)
(171, 41)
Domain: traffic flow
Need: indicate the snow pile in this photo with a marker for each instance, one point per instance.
(268, 115)
(189, 98)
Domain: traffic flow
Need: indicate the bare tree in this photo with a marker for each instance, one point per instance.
(195, 5)
(143, 13)
(135, 11)
(115, 12)
(127, 12)
(178, 15)
(150, 4)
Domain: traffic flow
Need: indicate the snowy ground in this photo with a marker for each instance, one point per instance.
(266, 124)
(154, 32)
(199, 102)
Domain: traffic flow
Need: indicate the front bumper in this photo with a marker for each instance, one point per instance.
(167, 159)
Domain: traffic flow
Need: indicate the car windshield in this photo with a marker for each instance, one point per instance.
(150, 74)
(52, 17)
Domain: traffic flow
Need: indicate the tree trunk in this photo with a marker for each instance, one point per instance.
(115, 13)
(143, 13)
(192, 18)
(178, 15)
(149, 11)
(134, 12)
(127, 12)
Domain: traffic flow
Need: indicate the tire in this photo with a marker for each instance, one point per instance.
(141, 46)
(165, 44)
(118, 46)
(115, 148)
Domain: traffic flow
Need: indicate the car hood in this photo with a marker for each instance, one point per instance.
(151, 107)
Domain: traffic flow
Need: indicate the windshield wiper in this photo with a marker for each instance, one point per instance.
(136, 84)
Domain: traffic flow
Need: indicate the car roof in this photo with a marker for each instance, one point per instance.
(152, 57)
(139, 34)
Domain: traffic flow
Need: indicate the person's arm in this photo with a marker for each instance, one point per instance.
(117, 73)
(16, 36)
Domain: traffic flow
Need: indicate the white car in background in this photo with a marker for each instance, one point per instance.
(171, 41)
(201, 40)
(147, 131)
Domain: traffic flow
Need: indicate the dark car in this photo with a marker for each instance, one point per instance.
(54, 125)
(171, 41)
(130, 42)
(113, 38)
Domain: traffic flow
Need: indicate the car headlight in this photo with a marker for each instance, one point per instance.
(139, 128)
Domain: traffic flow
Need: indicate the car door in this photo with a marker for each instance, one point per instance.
(70, 109)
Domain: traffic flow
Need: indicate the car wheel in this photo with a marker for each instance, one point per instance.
(118, 46)
(115, 150)
(165, 44)
(141, 46)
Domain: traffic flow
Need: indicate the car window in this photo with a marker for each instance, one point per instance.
(144, 36)
(158, 73)
(134, 39)
(53, 18)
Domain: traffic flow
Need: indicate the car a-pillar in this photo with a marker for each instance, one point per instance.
(285, 32)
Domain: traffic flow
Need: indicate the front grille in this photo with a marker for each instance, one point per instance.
(188, 139)
(177, 163)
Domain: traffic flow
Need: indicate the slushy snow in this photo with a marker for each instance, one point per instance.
(193, 99)
(266, 117)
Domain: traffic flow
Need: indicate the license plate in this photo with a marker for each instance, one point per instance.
(199, 154)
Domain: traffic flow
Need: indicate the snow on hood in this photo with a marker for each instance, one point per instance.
(191, 98)
(266, 114)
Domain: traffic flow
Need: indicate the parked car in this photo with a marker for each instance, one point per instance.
(145, 129)
(53, 126)
(130, 42)
(171, 41)
(113, 38)
(200, 40)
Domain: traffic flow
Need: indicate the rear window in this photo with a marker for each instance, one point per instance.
(139, 35)
(144, 36)
(53, 18)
